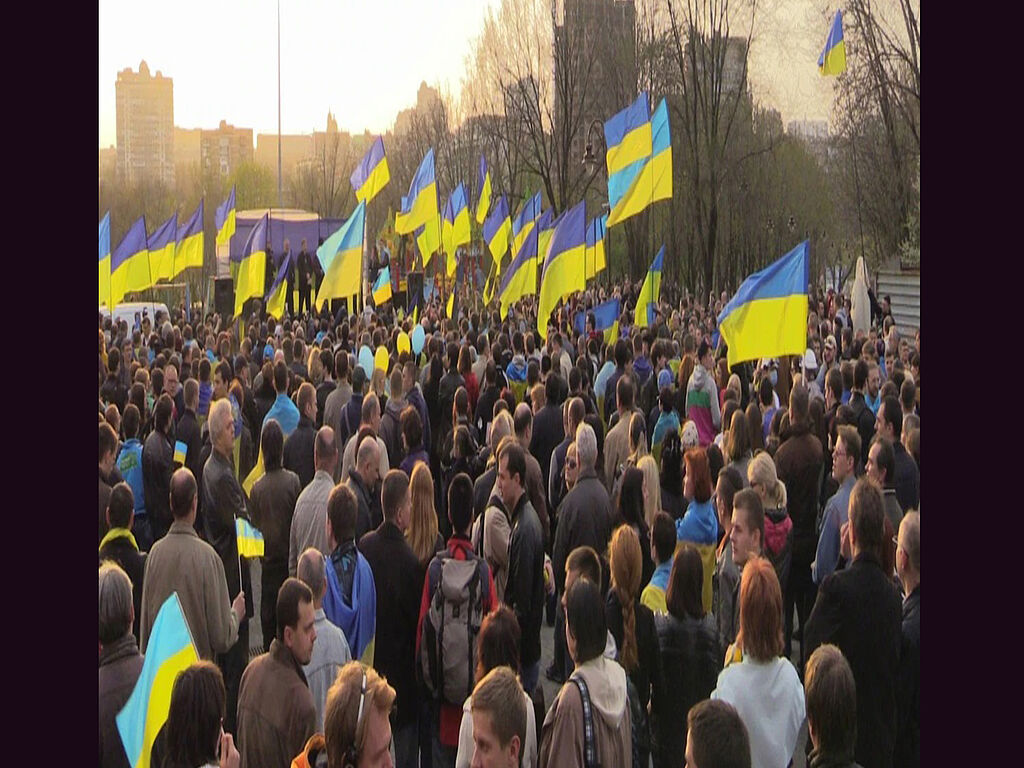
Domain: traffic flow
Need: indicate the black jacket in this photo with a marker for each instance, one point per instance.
(396, 575)
(113, 391)
(799, 461)
(446, 389)
(865, 421)
(322, 392)
(648, 675)
(485, 408)
(121, 551)
(157, 468)
(583, 519)
(859, 610)
(366, 521)
(223, 501)
(691, 658)
(907, 478)
(908, 731)
(298, 451)
(556, 477)
(188, 432)
(548, 432)
(482, 488)
(524, 591)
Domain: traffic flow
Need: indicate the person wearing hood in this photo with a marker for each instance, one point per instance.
(699, 525)
(702, 397)
(778, 526)
(602, 729)
(664, 418)
(641, 364)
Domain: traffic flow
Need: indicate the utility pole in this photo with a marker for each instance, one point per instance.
(279, 205)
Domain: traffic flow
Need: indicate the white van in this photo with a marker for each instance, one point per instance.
(130, 310)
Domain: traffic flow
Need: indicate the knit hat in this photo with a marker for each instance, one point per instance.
(664, 379)
(688, 436)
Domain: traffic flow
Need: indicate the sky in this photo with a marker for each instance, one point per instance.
(364, 59)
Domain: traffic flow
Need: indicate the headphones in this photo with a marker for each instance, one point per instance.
(351, 758)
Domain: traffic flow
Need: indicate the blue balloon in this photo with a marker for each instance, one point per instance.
(418, 339)
(366, 359)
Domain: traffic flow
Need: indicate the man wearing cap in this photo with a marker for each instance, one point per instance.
(702, 397)
(828, 362)
(809, 369)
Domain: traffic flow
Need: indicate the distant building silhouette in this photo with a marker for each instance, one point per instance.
(145, 125)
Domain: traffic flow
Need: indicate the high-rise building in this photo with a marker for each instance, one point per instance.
(145, 125)
(186, 149)
(224, 149)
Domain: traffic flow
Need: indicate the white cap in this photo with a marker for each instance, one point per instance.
(810, 361)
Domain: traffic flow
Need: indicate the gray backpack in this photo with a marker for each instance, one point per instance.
(448, 640)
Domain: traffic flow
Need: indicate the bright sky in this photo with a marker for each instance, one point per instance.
(361, 59)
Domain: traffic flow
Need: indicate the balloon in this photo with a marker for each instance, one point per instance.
(366, 359)
(380, 359)
(403, 342)
(419, 338)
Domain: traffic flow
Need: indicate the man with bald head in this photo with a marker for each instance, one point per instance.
(369, 418)
(308, 528)
(363, 479)
(174, 391)
(298, 446)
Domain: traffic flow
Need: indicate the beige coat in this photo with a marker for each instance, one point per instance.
(616, 450)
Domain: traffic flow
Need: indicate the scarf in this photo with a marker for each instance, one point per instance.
(359, 620)
(117, 533)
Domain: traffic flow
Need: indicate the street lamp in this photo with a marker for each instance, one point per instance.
(590, 160)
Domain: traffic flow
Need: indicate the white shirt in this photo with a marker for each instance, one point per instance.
(466, 746)
(770, 701)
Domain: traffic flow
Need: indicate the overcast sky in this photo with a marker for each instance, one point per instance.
(365, 59)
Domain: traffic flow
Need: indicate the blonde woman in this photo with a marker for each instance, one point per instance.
(315, 367)
(422, 533)
(652, 488)
(778, 526)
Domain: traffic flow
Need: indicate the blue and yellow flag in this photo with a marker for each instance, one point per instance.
(224, 219)
(250, 540)
(594, 258)
(521, 277)
(372, 174)
(484, 203)
(628, 138)
(180, 451)
(653, 178)
(497, 229)
(492, 278)
(606, 320)
(169, 651)
(188, 251)
(341, 257)
(161, 250)
(450, 306)
(276, 297)
(455, 229)
(768, 315)
(252, 268)
(105, 259)
(420, 205)
(382, 287)
(650, 292)
(833, 57)
(129, 264)
(428, 239)
(524, 221)
(563, 264)
(545, 229)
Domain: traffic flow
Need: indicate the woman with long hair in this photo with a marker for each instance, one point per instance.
(466, 371)
(758, 681)
(699, 525)
(691, 656)
(632, 623)
(736, 449)
(754, 429)
(193, 736)
(672, 476)
(630, 511)
(778, 526)
(652, 489)
(422, 534)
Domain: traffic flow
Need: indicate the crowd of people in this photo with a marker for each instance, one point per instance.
(722, 555)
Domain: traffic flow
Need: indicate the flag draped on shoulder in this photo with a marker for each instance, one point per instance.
(595, 256)
(161, 249)
(188, 250)
(650, 292)
(420, 205)
(648, 181)
(356, 616)
(832, 60)
(563, 264)
(341, 257)
(104, 270)
(372, 174)
(224, 219)
(252, 269)
(497, 229)
(129, 264)
(382, 287)
(484, 201)
(169, 651)
(768, 315)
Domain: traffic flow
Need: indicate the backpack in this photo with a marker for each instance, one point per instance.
(448, 636)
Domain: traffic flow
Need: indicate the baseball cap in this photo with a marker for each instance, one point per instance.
(810, 362)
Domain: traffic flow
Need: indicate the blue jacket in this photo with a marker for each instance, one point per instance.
(836, 513)
(129, 463)
(668, 421)
(699, 525)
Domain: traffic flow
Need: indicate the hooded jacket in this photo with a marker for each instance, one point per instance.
(702, 405)
(778, 539)
(562, 739)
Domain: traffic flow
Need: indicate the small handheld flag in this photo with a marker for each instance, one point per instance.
(180, 451)
(250, 540)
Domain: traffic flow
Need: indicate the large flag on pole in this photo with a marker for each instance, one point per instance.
(628, 137)
(832, 60)
(105, 259)
(420, 205)
(521, 277)
(524, 221)
(278, 294)
(169, 651)
(595, 256)
(563, 263)
(372, 174)
(224, 219)
(341, 257)
(455, 224)
(252, 268)
(653, 178)
(650, 292)
(129, 264)
(484, 202)
(188, 251)
(497, 229)
(161, 249)
(768, 315)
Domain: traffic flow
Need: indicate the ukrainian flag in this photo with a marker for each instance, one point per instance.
(563, 264)
(224, 219)
(341, 257)
(521, 277)
(161, 250)
(190, 242)
(169, 651)
(545, 229)
(105, 259)
(485, 191)
(428, 239)
(606, 319)
(768, 315)
(628, 136)
(382, 287)
(129, 265)
(372, 174)
(524, 221)
(278, 293)
(650, 292)
(833, 57)
(497, 229)
(450, 306)
(180, 452)
(455, 224)
(653, 179)
(250, 540)
(420, 205)
(595, 257)
(489, 285)
(252, 269)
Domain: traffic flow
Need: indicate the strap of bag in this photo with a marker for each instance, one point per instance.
(589, 742)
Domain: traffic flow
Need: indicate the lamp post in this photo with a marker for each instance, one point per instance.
(279, 104)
